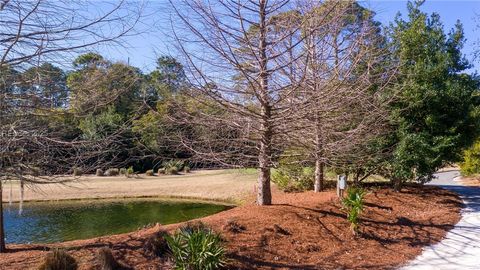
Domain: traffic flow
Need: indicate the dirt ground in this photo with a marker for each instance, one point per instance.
(223, 185)
(300, 231)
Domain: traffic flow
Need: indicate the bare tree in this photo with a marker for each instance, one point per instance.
(31, 33)
(242, 56)
(344, 88)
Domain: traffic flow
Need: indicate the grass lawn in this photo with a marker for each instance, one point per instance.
(223, 185)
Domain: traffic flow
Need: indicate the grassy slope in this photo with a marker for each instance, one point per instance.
(222, 185)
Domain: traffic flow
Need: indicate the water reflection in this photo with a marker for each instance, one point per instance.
(63, 221)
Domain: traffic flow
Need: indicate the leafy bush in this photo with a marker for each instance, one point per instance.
(99, 172)
(293, 177)
(149, 173)
(106, 260)
(161, 171)
(471, 160)
(123, 171)
(77, 171)
(157, 244)
(112, 172)
(58, 259)
(196, 248)
(354, 203)
(292, 174)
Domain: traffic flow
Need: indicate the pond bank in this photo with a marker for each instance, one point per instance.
(230, 186)
(300, 231)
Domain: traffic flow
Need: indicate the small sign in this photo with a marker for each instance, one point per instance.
(341, 185)
(342, 182)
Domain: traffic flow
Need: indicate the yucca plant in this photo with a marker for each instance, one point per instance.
(58, 259)
(354, 203)
(196, 248)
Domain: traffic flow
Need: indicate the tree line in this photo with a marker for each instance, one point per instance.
(294, 86)
(317, 85)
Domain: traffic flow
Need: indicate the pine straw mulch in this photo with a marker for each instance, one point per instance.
(300, 231)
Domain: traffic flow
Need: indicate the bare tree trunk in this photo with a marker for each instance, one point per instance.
(397, 184)
(319, 175)
(318, 186)
(264, 196)
(2, 234)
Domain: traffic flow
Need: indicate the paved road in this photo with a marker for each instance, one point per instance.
(460, 250)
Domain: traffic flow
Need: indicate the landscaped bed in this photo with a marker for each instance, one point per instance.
(300, 231)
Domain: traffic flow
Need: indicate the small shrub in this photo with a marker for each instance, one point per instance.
(149, 173)
(77, 172)
(58, 259)
(293, 173)
(107, 261)
(157, 244)
(161, 171)
(35, 171)
(471, 160)
(130, 171)
(293, 178)
(99, 172)
(186, 169)
(196, 248)
(123, 171)
(112, 172)
(171, 170)
(354, 203)
(178, 164)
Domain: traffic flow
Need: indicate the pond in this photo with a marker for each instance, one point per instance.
(47, 222)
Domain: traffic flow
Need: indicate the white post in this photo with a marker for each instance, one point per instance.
(341, 185)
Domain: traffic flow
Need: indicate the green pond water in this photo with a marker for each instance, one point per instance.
(47, 222)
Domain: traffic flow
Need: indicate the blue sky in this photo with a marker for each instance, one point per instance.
(142, 50)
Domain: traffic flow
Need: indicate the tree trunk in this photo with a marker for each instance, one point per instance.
(397, 185)
(264, 196)
(2, 234)
(319, 179)
(319, 165)
(356, 178)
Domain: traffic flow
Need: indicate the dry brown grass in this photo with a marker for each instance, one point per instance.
(222, 185)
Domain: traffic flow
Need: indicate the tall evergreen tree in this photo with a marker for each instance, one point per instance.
(436, 111)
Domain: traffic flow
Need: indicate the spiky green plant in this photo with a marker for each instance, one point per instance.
(354, 204)
(196, 248)
(58, 259)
